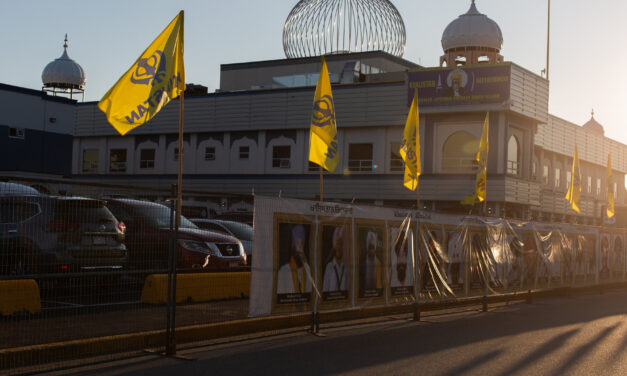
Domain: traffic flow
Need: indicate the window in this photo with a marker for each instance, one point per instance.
(459, 152)
(360, 157)
(210, 153)
(90, 160)
(244, 152)
(615, 189)
(598, 186)
(568, 178)
(545, 174)
(147, 158)
(589, 189)
(396, 162)
(16, 133)
(176, 154)
(313, 166)
(558, 175)
(534, 170)
(281, 156)
(117, 160)
(512, 156)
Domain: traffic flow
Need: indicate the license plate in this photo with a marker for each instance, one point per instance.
(99, 240)
(233, 264)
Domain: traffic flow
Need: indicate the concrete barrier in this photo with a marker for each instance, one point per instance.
(197, 287)
(19, 295)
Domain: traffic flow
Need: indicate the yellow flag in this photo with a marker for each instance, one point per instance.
(410, 147)
(609, 186)
(479, 195)
(574, 189)
(323, 131)
(157, 77)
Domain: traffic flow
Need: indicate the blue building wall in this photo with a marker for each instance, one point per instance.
(38, 152)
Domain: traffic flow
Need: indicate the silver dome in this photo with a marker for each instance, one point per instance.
(63, 72)
(472, 29)
(320, 27)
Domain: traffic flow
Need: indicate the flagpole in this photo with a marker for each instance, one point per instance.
(321, 185)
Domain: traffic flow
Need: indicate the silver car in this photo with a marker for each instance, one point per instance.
(242, 231)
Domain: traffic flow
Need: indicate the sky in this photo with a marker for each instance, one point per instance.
(587, 56)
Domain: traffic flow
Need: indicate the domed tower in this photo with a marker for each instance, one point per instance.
(320, 27)
(593, 126)
(64, 76)
(471, 38)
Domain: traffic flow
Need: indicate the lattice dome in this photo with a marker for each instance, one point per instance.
(321, 27)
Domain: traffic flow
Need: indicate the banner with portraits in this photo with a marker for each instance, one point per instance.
(316, 256)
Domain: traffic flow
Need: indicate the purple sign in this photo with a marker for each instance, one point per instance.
(455, 86)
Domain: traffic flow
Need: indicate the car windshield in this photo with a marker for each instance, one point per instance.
(241, 231)
(159, 216)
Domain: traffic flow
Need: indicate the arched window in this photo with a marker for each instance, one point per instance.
(512, 156)
(459, 152)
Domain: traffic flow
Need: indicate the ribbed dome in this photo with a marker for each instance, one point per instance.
(593, 126)
(63, 72)
(472, 29)
(319, 27)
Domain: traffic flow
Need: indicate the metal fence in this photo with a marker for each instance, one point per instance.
(100, 269)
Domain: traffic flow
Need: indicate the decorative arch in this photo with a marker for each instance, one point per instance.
(459, 152)
(513, 155)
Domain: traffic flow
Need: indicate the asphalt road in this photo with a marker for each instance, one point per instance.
(586, 335)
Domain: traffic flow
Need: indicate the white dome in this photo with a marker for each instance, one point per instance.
(63, 72)
(320, 27)
(472, 29)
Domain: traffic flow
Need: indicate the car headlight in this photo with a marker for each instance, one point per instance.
(202, 247)
(241, 249)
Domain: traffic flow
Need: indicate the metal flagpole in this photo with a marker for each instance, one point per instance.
(321, 185)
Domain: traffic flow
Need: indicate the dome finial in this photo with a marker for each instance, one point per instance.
(65, 42)
(592, 112)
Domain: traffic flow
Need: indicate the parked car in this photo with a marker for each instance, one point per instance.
(49, 234)
(242, 231)
(148, 236)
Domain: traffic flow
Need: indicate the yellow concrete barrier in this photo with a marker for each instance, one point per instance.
(19, 295)
(197, 287)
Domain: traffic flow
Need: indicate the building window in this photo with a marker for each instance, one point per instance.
(534, 170)
(90, 160)
(459, 152)
(615, 189)
(396, 161)
(16, 133)
(360, 157)
(598, 186)
(117, 160)
(312, 167)
(545, 174)
(589, 188)
(512, 156)
(147, 158)
(210, 153)
(568, 178)
(244, 152)
(558, 175)
(176, 154)
(281, 156)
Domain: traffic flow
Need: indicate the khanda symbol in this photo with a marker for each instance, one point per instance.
(323, 113)
(150, 68)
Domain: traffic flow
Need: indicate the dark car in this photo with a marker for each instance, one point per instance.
(148, 234)
(242, 231)
(48, 234)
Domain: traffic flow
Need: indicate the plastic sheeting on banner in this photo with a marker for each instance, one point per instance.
(316, 256)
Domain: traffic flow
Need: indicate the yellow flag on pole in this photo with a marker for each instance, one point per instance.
(323, 131)
(479, 195)
(157, 77)
(609, 186)
(574, 189)
(410, 147)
